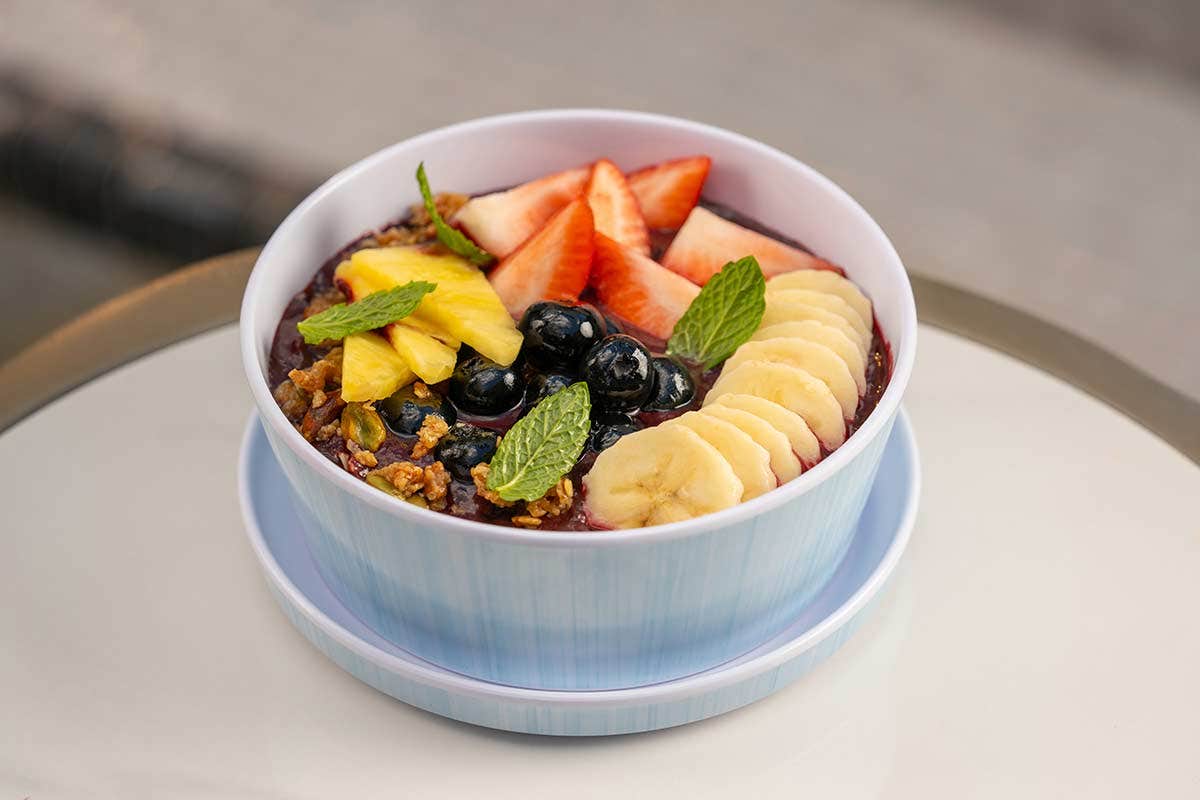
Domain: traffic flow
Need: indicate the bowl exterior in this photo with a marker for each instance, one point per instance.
(542, 616)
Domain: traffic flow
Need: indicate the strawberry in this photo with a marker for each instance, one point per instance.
(667, 192)
(501, 221)
(553, 264)
(615, 208)
(706, 243)
(639, 290)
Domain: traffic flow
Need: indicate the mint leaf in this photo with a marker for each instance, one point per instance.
(723, 316)
(543, 446)
(373, 311)
(452, 238)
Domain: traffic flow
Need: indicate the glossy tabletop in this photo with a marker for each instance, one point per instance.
(1039, 639)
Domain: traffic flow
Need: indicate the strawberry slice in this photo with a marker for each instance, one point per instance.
(639, 290)
(552, 265)
(668, 192)
(706, 243)
(501, 221)
(615, 208)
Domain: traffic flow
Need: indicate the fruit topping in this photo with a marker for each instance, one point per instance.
(608, 428)
(557, 335)
(724, 315)
(707, 242)
(451, 238)
(615, 209)
(822, 280)
(790, 387)
(552, 265)
(808, 356)
(673, 386)
(750, 461)
(639, 290)
(658, 475)
(430, 359)
(464, 446)
(501, 221)
(813, 331)
(464, 305)
(783, 307)
(803, 441)
(784, 463)
(483, 387)
(831, 303)
(668, 192)
(542, 385)
(542, 446)
(617, 371)
(371, 368)
(406, 410)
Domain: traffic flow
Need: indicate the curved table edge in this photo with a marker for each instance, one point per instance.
(208, 294)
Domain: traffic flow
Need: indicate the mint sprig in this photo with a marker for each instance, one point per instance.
(373, 311)
(723, 316)
(543, 446)
(452, 238)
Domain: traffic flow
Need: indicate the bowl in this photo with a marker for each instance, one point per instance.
(578, 611)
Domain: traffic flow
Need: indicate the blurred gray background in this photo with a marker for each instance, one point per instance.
(1040, 153)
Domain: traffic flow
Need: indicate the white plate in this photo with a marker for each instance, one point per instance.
(277, 539)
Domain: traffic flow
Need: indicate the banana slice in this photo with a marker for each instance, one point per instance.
(829, 302)
(750, 461)
(785, 309)
(784, 463)
(823, 280)
(804, 443)
(791, 387)
(810, 357)
(657, 475)
(832, 338)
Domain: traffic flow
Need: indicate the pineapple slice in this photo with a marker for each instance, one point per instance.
(464, 303)
(429, 329)
(430, 359)
(430, 352)
(371, 368)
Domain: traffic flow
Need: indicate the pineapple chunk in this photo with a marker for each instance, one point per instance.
(464, 303)
(429, 329)
(371, 368)
(430, 359)
(429, 351)
(358, 284)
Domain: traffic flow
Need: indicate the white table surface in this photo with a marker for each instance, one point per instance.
(1039, 640)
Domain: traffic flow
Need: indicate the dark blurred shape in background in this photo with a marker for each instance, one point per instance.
(1042, 153)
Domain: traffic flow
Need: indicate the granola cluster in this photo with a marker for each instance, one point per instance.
(418, 227)
(555, 502)
(428, 486)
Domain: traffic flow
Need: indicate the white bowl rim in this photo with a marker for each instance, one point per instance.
(888, 406)
(709, 680)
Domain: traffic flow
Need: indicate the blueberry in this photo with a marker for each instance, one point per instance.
(483, 387)
(611, 326)
(557, 335)
(405, 411)
(673, 387)
(608, 428)
(542, 385)
(617, 371)
(464, 446)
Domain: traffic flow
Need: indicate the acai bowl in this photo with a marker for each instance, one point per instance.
(588, 594)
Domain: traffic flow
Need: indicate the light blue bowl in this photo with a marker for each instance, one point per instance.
(568, 610)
